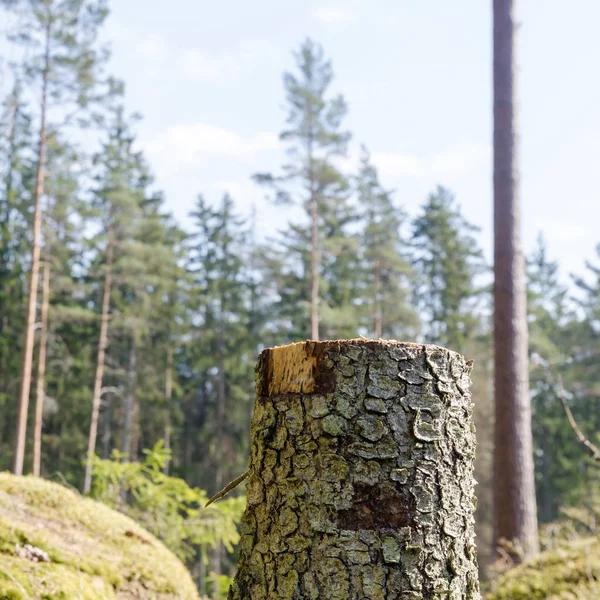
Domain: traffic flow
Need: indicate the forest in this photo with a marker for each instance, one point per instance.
(128, 335)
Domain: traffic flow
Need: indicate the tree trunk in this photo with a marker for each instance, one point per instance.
(129, 401)
(102, 345)
(30, 311)
(41, 374)
(168, 395)
(360, 481)
(378, 313)
(314, 269)
(514, 490)
(220, 426)
(107, 433)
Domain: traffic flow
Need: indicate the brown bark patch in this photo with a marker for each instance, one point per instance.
(377, 508)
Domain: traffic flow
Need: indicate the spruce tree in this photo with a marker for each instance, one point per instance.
(447, 261)
(387, 272)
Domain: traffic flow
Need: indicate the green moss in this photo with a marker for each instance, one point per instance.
(566, 573)
(96, 553)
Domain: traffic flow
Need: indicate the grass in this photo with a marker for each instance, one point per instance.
(569, 572)
(96, 553)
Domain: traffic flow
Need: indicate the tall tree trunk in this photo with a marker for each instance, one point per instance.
(30, 311)
(219, 433)
(361, 475)
(514, 490)
(314, 269)
(129, 400)
(167, 413)
(102, 345)
(41, 374)
(378, 313)
(106, 428)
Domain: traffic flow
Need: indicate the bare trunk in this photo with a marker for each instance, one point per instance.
(106, 429)
(102, 345)
(41, 374)
(129, 400)
(314, 269)
(30, 311)
(514, 491)
(218, 551)
(378, 316)
(361, 475)
(168, 395)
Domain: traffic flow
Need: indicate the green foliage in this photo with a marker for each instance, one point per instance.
(447, 260)
(560, 345)
(312, 180)
(166, 506)
(387, 274)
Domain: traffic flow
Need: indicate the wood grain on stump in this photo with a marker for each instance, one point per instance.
(361, 475)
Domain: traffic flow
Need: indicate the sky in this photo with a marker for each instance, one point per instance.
(207, 77)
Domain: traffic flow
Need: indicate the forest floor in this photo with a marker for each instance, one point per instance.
(57, 545)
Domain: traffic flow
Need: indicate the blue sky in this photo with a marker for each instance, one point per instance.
(207, 77)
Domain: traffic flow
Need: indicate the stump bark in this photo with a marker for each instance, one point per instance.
(361, 475)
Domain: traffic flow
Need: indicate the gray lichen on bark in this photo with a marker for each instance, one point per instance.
(361, 475)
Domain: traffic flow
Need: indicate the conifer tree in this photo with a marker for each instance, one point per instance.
(515, 512)
(16, 173)
(61, 36)
(448, 261)
(310, 179)
(388, 273)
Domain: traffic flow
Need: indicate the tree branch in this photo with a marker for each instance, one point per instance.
(228, 488)
(593, 450)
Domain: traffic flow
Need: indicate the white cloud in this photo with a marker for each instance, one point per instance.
(335, 12)
(182, 147)
(456, 160)
(205, 65)
(152, 47)
(329, 15)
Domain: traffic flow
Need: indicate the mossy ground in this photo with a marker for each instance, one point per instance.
(571, 572)
(96, 553)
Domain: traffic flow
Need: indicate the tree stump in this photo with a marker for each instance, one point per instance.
(361, 475)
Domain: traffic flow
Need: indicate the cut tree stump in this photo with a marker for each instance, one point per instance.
(361, 475)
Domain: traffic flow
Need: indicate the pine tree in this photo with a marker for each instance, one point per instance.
(16, 173)
(447, 261)
(61, 35)
(137, 263)
(388, 273)
(63, 230)
(514, 487)
(310, 179)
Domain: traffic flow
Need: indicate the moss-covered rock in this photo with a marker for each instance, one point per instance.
(571, 572)
(95, 552)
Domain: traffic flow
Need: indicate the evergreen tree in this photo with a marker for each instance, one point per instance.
(388, 274)
(137, 264)
(515, 513)
(61, 36)
(16, 173)
(447, 261)
(310, 178)
(551, 325)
